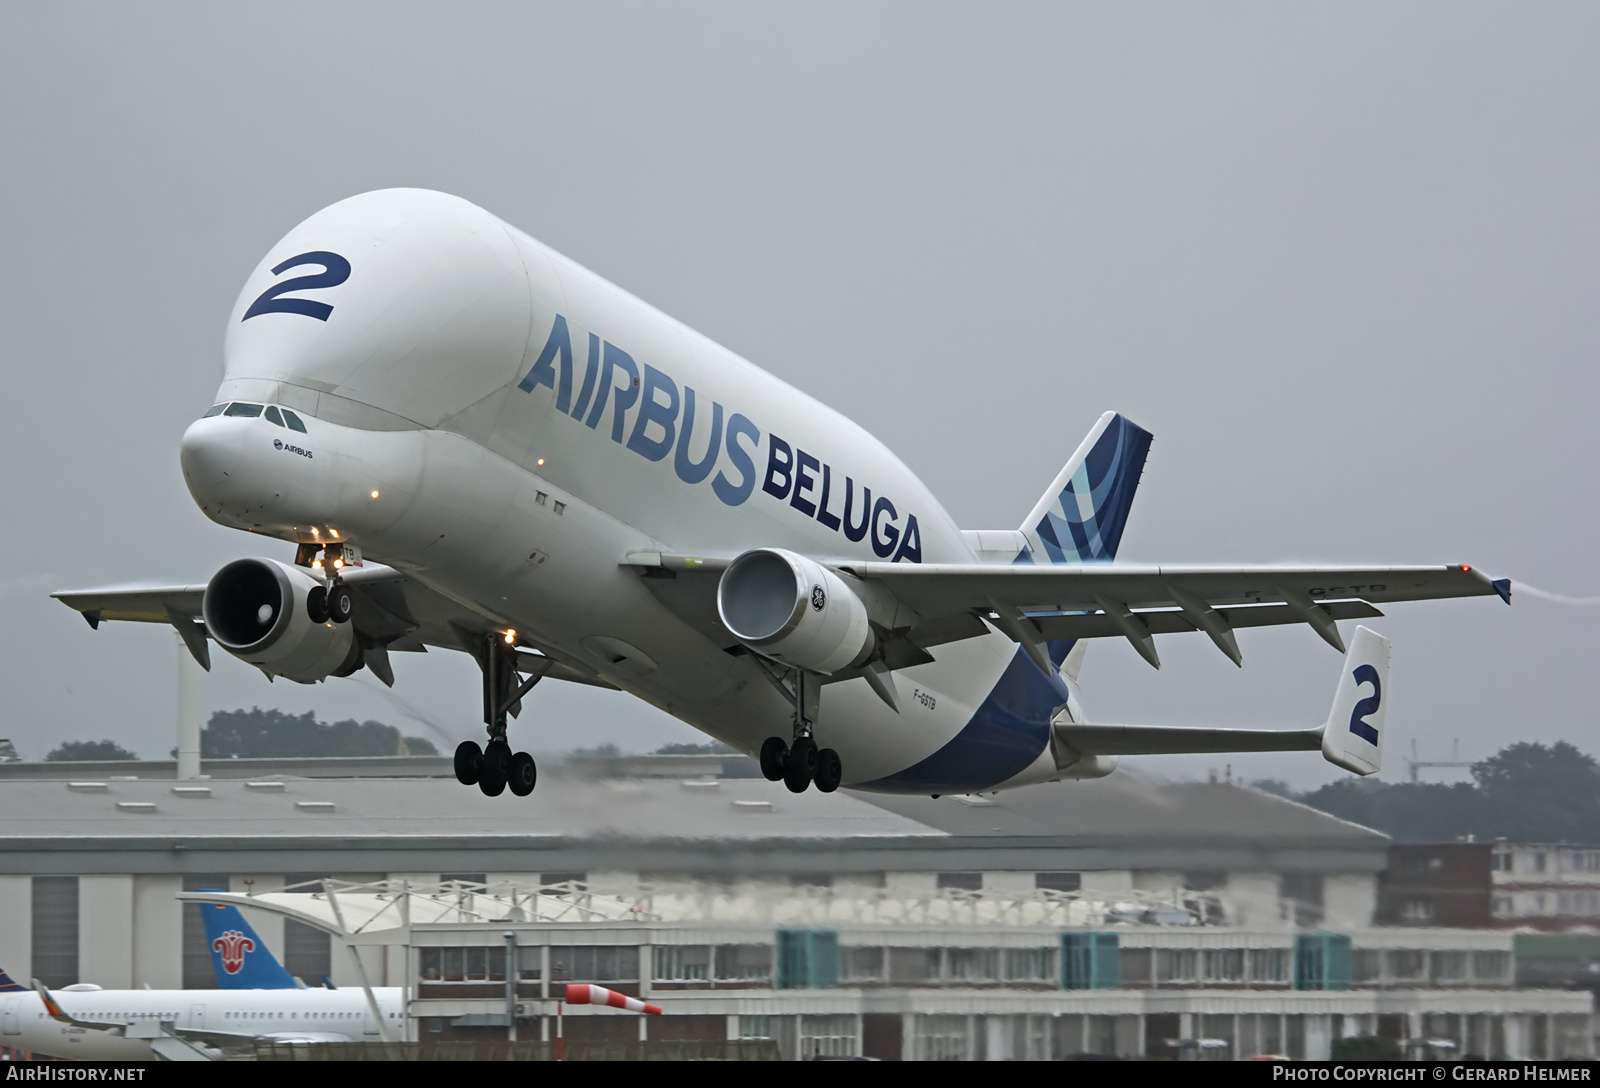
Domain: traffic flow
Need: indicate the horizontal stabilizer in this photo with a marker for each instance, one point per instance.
(1147, 740)
(1352, 737)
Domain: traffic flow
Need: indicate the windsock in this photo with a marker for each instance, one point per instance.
(583, 993)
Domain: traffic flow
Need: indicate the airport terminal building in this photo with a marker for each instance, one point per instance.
(1118, 916)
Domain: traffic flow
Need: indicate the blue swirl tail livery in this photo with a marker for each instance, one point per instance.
(241, 958)
(1080, 518)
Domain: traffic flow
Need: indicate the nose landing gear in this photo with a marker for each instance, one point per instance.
(495, 766)
(801, 763)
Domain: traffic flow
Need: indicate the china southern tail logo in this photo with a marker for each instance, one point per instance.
(232, 946)
(667, 420)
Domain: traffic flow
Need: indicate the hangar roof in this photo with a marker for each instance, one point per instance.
(693, 825)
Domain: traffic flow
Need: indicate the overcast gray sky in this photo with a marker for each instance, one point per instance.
(1341, 259)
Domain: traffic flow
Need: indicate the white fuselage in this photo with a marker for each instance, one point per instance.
(307, 1015)
(506, 427)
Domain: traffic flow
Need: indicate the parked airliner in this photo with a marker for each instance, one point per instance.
(472, 443)
(257, 999)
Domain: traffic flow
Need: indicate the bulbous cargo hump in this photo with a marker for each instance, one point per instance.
(405, 300)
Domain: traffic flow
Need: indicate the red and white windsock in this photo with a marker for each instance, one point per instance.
(584, 993)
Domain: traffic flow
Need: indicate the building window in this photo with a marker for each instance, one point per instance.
(1366, 965)
(1501, 862)
(1416, 911)
(55, 930)
(1204, 880)
(1058, 882)
(1408, 965)
(1491, 966)
(462, 878)
(755, 1027)
(1268, 964)
(811, 880)
(596, 963)
(744, 962)
(1030, 964)
(1176, 964)
(683, 963)
(862, 964)
(972, 964)
(1449, 966)
(833, 1036)
(940, 1039)
(971, 882)
(913, 965)
(1224, 965)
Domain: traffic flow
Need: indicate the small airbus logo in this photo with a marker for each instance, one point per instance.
(818, 598)
(279, 444)
(232, 946)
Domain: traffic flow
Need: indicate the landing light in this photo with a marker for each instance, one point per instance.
(338, 563)
(511, 638)
(374, 494)
(316, 564)
(541, 460)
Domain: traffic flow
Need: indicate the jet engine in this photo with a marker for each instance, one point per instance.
(794, 610)
(256, 610)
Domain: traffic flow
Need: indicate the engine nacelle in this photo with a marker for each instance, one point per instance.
(794, 610)
(256, 610)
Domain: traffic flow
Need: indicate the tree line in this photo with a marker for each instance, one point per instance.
(1525, 792)
(271, 734)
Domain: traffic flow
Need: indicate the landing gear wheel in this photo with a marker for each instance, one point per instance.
(469, 762)
(802, 765)
(774, 758)
(829, 770)
(524, 774)
(496, 768)
(340, 604)
(317, 604)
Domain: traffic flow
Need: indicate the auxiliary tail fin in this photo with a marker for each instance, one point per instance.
(240, 957)
(1353, 735)
(1081, 517)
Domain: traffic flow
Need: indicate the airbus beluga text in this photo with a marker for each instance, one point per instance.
(476, 444)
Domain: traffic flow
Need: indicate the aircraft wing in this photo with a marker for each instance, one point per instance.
(1037, 604)
(393, 612)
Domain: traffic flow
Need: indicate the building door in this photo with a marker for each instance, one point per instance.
(882, 1036)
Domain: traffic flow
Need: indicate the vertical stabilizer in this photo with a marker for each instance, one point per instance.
(1081, 517)
(241, 958)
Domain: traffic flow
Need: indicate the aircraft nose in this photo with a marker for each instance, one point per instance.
(210, 454)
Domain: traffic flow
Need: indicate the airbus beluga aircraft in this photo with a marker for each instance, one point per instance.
(475, 444)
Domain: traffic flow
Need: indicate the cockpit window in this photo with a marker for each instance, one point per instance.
(293, 421)
(215, 410)
(273, 416)
(238, 408)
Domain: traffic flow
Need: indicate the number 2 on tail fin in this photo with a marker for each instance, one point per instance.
(1366, 674)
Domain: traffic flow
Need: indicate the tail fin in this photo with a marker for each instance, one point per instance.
(9, 985)
(1081, 517)
(1353, 735)
(240, 957)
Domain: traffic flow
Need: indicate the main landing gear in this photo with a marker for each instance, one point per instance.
(495, 766)
(799, 763)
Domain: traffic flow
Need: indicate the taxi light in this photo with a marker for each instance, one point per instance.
(511, 638)
(541, 460)
(338, 563)
(374, 494)
(316, 564)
